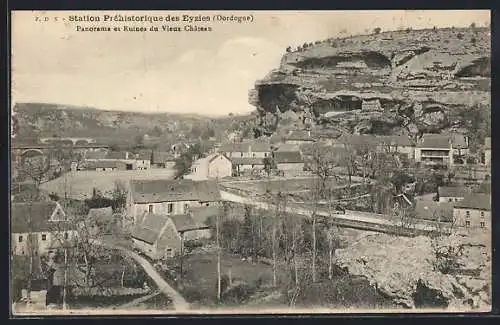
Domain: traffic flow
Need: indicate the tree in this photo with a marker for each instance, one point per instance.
(269, 165)
(119, 196)
(377, 30)
(289, 49)
(473, 25)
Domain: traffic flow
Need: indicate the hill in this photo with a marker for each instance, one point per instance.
(408, 81)
(36, 120)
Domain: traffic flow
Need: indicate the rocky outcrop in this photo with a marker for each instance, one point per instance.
(433, 70)
(451, 272)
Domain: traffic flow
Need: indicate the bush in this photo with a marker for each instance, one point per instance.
(377, 30)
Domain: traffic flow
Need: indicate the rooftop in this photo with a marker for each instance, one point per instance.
(117, 155)
(432, 210)
(40, 214)
(435, 141)
(287, 157)
(248, 161)
(475, 201)
(149, 191)
(95, 155)
(101, 214)
(186, 222)
(150, 228)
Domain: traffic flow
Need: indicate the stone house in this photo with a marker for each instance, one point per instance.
(474, 211)
(160, 236)
(210, 167)
(168, 197)
(49, 227)
(290, 163)
(247, 149)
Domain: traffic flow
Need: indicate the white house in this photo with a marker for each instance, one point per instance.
(212, 166)
(474, 211)
(48, 229)
(247, 149)
(435, 149)
(169, 197)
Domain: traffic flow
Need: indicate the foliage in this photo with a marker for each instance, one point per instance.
(185, 161)
(377, 30)
(446, 257)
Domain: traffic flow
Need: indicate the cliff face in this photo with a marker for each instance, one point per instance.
(383, 83)
(415, 273)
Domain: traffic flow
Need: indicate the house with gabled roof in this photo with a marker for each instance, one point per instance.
(169, 197)
(161, 236)
(289, 162)
(246, 149)
(39, 227)
(435, 149)
(214, 166)
(474, 211)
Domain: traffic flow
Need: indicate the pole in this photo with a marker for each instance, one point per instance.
(65, 277)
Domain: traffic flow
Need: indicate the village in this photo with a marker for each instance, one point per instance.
(162, 213)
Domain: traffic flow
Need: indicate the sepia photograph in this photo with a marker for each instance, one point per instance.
(250, 162)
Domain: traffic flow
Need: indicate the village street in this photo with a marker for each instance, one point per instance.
(179, 303)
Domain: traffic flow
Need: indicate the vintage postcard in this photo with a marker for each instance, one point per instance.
(221, 162)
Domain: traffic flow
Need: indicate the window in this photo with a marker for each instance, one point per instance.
(467, 214)
(44, 237)
(450, 200)
(150, 208)
(65, 235)
(186, 208)
(206, 204)
(467, 223)
(482, 224)
(170, 252)
(21, 239)
(265, 154)
(170, 208)
(482, 214)
(254, 154)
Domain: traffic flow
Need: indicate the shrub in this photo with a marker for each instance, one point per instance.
(377, 30)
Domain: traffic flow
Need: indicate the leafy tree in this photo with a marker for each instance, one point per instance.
(289, 49)
(377, 30)
(473, 25)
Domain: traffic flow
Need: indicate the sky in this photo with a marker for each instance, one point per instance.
(208, 73)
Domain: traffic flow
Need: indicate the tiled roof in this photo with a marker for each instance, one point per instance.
(95, 155)
(117, 155)
(235, 147)
(475, 201)
(186, 223)
(355, 140)
(432, 210)
(144, 155)
(40, 213)
(102, 164)
(248, 161)
(452, 191)
(260, 146)
(284, 157)
(435, 141)
(150, 228)
(149, 191)
(290, 147)
(299, 135)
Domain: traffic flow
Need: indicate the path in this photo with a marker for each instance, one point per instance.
(139, 300)
(177, 300)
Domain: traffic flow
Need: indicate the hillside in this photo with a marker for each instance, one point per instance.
(46, 120)
(410, 81)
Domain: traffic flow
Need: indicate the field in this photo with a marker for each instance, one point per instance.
(80, 185)
(291, 185)
(200, 278)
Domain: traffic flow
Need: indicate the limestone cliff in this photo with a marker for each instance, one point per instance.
(403, 81)
(411, 270)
